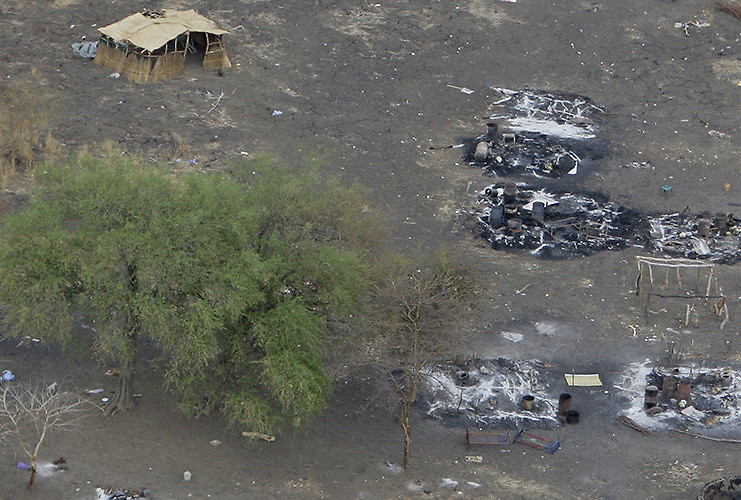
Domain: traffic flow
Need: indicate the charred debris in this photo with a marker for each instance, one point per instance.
(553, 224)
(551, 135)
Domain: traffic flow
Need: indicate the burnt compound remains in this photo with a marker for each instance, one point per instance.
(564, 224)
(551, 135)
(547, 135)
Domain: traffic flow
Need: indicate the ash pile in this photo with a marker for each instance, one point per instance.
(554, 224)
(716, 238)
(706, 398)
(539, 133)
(489, 392)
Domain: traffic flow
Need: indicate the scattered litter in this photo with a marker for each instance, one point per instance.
(187, 475)
(693, 413)
(192, 161)
(451, 484)
(113, 494)
(52, 388)
(638, 165)
(415, 485)
(244, 153)
(105, 400)
(471, 484)
(49, 469)
(583, 380)
(214, 442)
(514, 337)
(8, 376)
(86, 50)
(697, 23)
(95, 391)
(474, 458)
(27, 339)
(114, 75)
(277, 113)
(464, 90)
(537, 442)
(392, 467)
(22, 466)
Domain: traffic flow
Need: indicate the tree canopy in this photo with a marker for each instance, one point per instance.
(240, 277)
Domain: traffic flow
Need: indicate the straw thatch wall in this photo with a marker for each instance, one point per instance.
(140, 68)
(153, 68)
(215, 56)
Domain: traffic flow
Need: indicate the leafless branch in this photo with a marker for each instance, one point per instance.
(28, 412)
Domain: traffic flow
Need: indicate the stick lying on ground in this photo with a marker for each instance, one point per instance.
(634, 425)
(720, 440)
(258, 435)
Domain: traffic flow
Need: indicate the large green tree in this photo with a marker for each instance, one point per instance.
(240, 277)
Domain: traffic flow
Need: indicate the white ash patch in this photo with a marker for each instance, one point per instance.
(488, 392)
(717, 405)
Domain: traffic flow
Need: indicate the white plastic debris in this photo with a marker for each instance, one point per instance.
(513, 336)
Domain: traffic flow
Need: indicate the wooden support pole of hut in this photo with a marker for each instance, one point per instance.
(645, 284)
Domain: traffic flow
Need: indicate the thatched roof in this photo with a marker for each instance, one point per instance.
(150, 31)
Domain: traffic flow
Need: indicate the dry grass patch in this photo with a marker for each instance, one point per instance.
(26, 111)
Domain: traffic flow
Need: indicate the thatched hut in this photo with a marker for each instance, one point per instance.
(151, 46)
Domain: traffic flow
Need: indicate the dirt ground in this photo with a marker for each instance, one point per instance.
(374, 85)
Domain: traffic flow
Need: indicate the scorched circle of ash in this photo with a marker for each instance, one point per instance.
(694, 399)
(560, 224)
(545, 134)
(489, 393)
(553, 224)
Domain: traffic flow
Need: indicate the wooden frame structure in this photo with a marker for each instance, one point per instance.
(151, 46)
(713, 298)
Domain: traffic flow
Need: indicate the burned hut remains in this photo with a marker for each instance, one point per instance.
(540, 133)
(151, 46)
(662, 278)
(562, 224)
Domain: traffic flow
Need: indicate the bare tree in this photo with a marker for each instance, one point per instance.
(29, 412)
(418, 307)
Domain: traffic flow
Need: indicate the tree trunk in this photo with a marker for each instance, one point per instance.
(33, 474)
(406, 408)
(123, 399)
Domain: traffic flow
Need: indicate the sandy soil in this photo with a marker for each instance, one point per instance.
(370, 84)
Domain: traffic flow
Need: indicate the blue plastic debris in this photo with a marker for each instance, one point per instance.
(8, 376)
